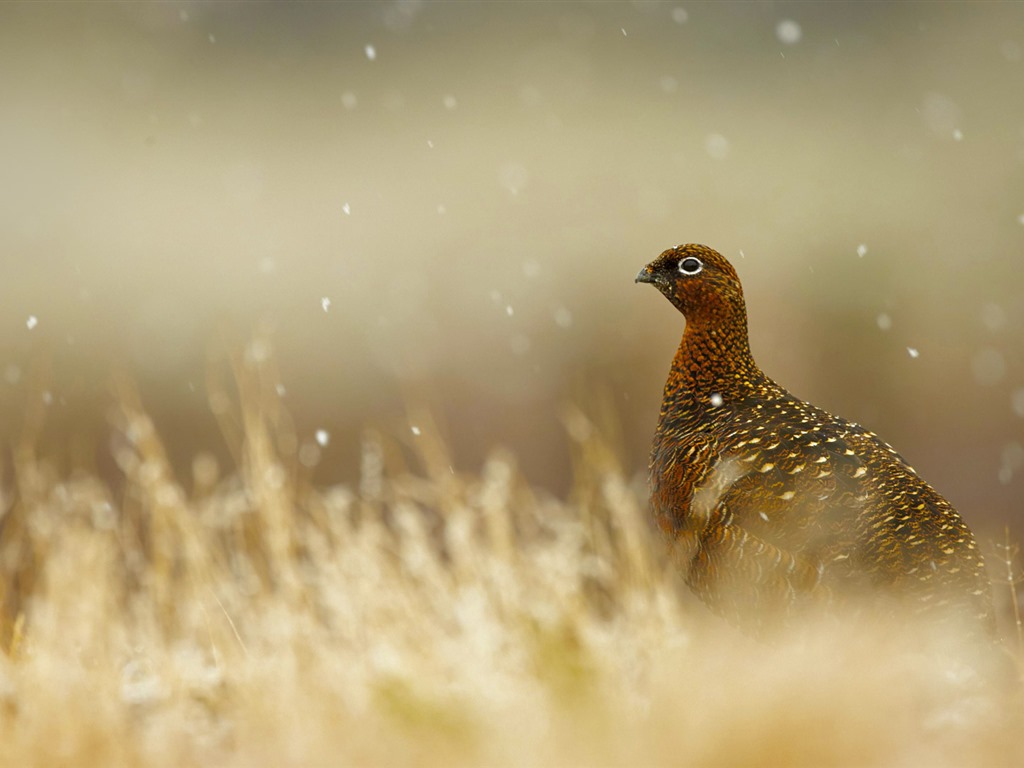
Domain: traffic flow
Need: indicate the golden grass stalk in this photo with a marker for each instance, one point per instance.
(427, 617)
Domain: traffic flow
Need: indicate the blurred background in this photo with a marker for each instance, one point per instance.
(445, 204)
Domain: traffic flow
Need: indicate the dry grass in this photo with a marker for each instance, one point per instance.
(425, 618)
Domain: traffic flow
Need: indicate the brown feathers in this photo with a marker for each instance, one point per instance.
(771, 504)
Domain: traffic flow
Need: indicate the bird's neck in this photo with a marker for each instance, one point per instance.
(714, 361)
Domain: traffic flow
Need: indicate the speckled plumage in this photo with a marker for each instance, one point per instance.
(771, 504)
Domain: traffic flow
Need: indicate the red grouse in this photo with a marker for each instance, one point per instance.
(772, 505)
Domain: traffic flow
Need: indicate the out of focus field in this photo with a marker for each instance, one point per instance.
(325, 390)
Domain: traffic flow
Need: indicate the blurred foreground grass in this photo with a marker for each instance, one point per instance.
(425, 617)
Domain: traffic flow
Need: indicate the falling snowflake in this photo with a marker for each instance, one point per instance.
(1017, 402)
(884, 321)
(325, 303)
(346, 209)
(988, 366)
(717, 146)
(520, 343)
(323, 437)
(32, 322)
(371, 52)
(913, 352)
(716, 400)
(958, 135)
(993, 316)
(862, 250)
(415, 430)
(513, 177)
(788, 32)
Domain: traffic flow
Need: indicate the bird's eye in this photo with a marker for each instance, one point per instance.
(690, 266)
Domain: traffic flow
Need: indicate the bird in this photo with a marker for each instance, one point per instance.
(772, 507)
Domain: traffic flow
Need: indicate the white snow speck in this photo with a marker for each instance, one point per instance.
(520, 343)
(884, 321)
(913, 352)
(958, 135)
(513, 177)
(257, 351)
(371, 52)
(415, 430)
(346, 209)
(309, 455)
(441, 210)
(993, 316)
(1017, 401)
(988, 366)
(563, 317)
(941, 114)
(12, 373)
(679, 15)
(788, 32)
(623, 31)
(281, 391)
(32, 322)
(349, 100)
(717, 146)
(449, 102)
(47, 397)
(325, 304)
(1020, 219)
(211, 38)
(1011, 460)
(509, 311)
(862, 250)
(323, 437)
(430, 144)
(716, 400)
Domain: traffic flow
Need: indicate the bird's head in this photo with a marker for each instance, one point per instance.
(698, 281)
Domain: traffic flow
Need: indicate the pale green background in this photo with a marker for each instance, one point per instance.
(175, 174)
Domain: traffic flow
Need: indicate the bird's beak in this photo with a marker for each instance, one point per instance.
(646, 275)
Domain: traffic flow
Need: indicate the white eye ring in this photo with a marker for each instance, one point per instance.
(691, 265)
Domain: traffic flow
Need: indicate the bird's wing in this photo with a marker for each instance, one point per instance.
(782, 511)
